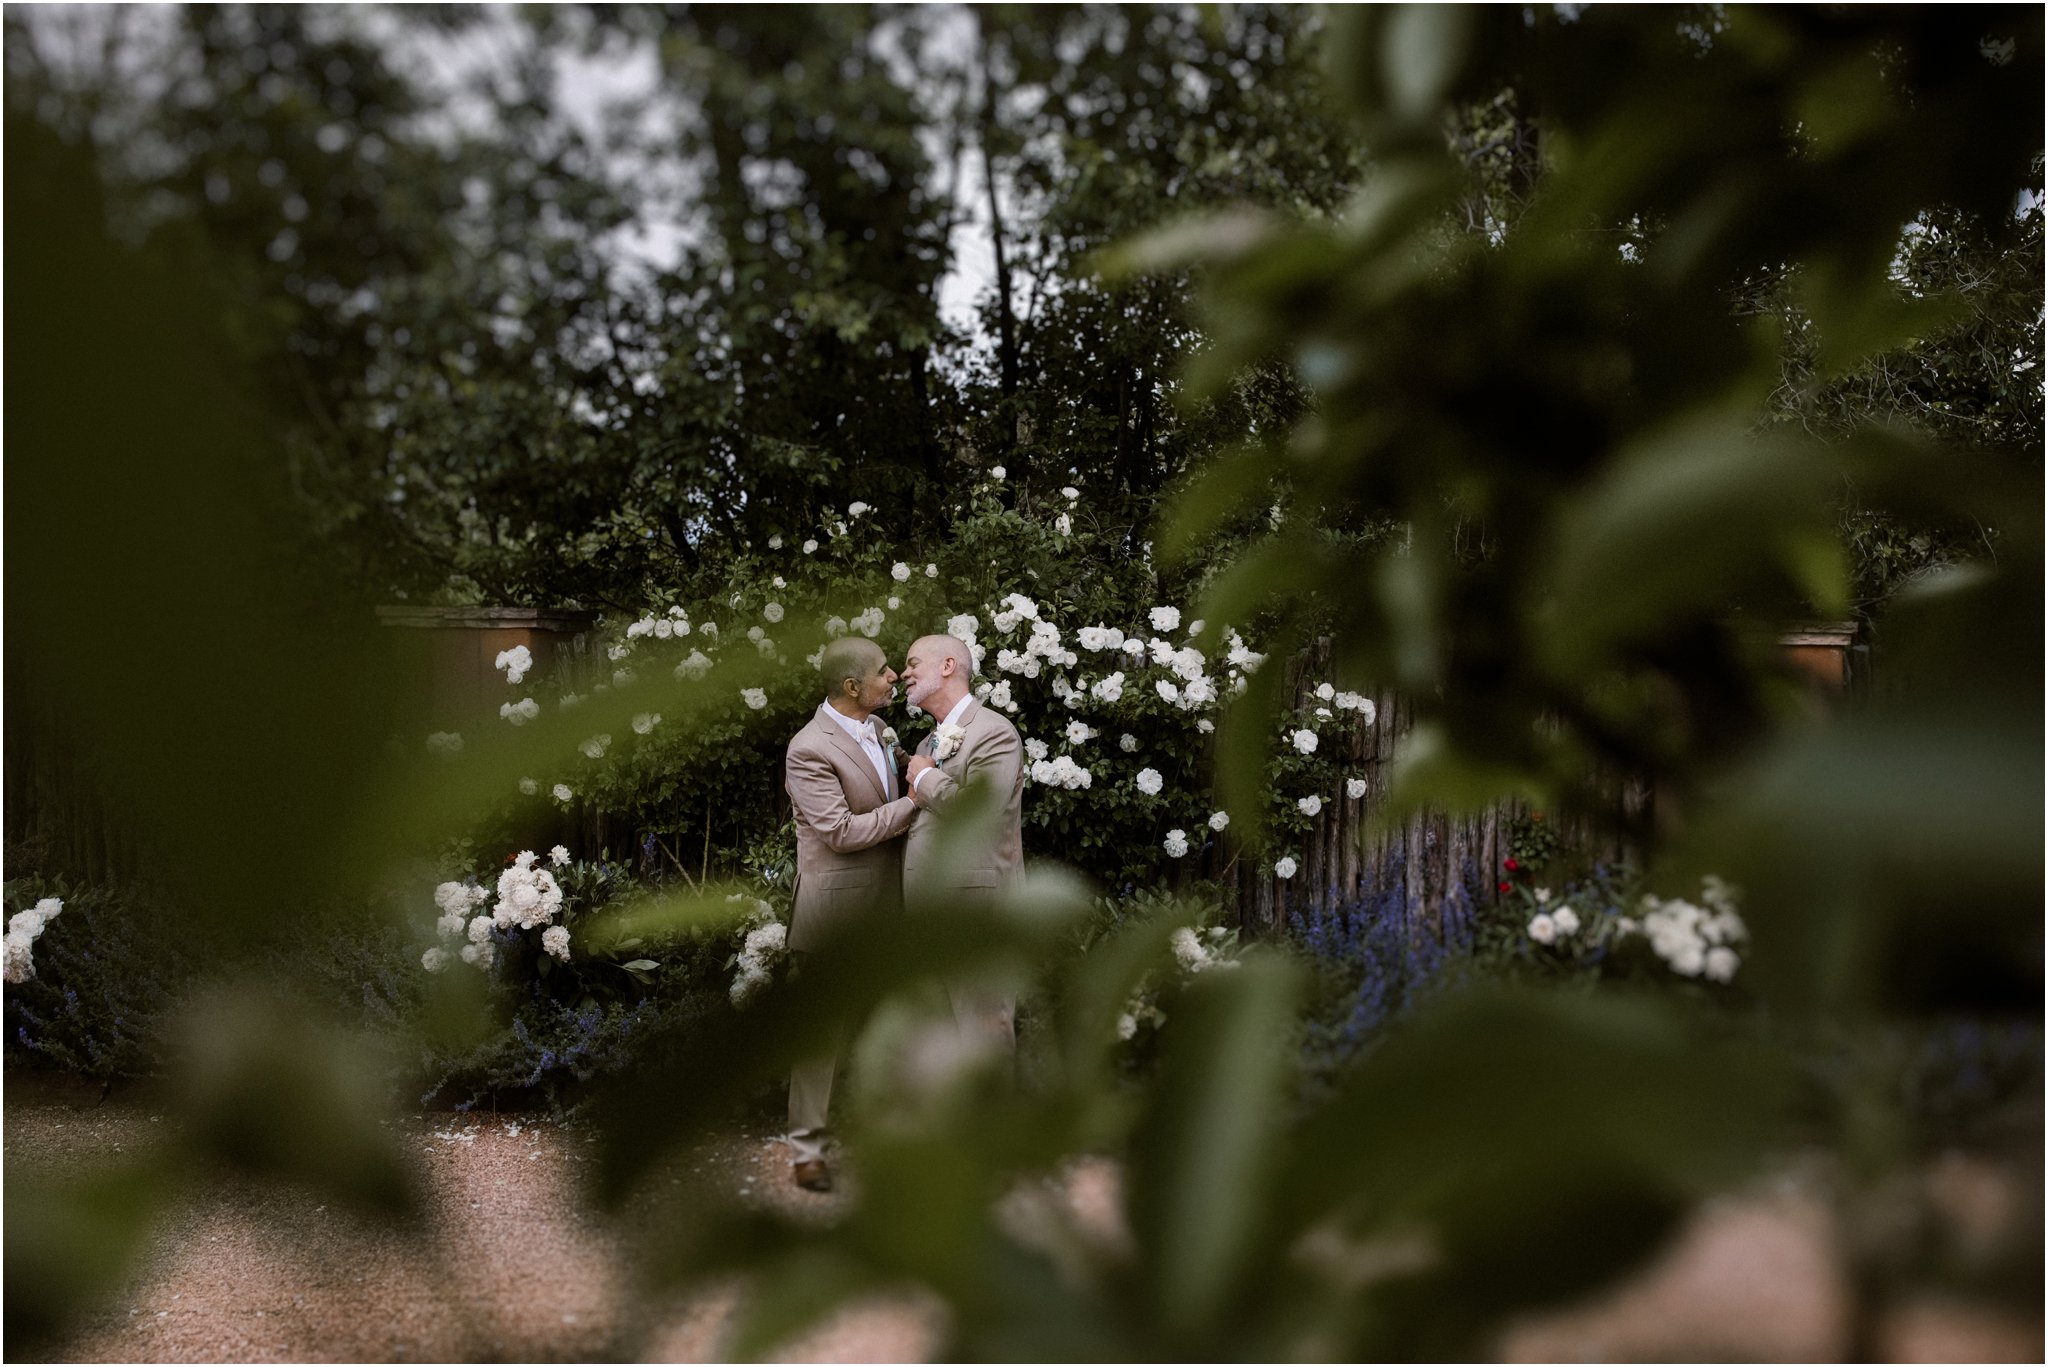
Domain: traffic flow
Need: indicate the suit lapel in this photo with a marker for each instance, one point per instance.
(835, 735)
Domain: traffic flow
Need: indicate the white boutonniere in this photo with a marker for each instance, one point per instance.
(889, 736)
(946, 740)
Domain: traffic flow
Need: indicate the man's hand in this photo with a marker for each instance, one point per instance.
(918, 764)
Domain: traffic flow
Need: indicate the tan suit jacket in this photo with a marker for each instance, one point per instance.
(991, 752)
(849, 832)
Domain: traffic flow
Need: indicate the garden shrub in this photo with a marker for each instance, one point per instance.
(109, 972)
(1114, 689)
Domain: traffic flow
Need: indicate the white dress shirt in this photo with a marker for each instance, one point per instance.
(950, 719)
(864, 735)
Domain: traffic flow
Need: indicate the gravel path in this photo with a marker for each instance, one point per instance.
(512, 1267)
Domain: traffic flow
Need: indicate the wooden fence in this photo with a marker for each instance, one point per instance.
(1440, 867)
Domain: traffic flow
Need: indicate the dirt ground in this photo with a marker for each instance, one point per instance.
(513, 1268)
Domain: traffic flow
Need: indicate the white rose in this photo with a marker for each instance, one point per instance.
(775, 542)
(480, 930)
(1218, 820)
(1310, 805)
(755, 698)
(1286, 867)
(1149, 782)
(1305, 741)
(529, 786)
(1567, 920)
(1542, 929)
(645, 721)
(900, 572)
(1176, 843)
(1164, 619)
(1354, 788)
(1069, 492)
(559, 855)
(931, 571)
(810, 545)
(555, 940)
(562, 792)
(998, 473)
(434, 960)
(1721, 963)
(856, 508)
(772, 611)
(1127, 743)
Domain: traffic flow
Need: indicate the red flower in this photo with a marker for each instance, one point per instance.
(1507, 887)
(1510, 865)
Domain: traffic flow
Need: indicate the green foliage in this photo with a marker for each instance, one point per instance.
(110, 972)
(1565, 398)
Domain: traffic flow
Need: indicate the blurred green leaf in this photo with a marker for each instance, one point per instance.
(1422, 49)
(72, 1242)
(1678, 527)
(1208, 1144)
(1499, 1081)
(1224, 236)
(273, 1088)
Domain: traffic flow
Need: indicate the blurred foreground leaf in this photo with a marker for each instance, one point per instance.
(71, 1244)
(274, 1089)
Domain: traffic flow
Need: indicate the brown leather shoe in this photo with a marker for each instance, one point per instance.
(813, 1175)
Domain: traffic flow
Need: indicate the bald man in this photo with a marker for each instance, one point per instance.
(851, 818)
(971, 744)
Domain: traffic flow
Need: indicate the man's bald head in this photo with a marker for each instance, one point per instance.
(946, 648)
(937, 672)
(846, 663)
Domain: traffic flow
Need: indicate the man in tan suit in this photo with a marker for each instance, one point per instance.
(972, 744)
(851, 816)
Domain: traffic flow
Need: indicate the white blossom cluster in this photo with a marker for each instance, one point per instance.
(674, 623)
(764, 944)
(515, 662)
(23, 929)
(456, 901)
(868, 622)
(1697, 940)
(528, 897)
(1061, 772)
(519, 713)
(445, 743)
(1194, 956)
(1552, 924)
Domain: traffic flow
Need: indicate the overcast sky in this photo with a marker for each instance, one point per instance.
(589, 85)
